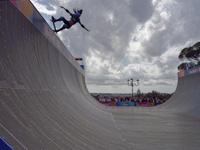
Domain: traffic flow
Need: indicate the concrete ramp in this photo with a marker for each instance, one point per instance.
(45, 105)
(186, 98)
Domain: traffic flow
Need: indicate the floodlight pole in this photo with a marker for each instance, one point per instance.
(131, 83)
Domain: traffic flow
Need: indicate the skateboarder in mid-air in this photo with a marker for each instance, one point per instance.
(74, 19)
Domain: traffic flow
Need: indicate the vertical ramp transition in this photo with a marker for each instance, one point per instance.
(44, 102)
(186, 98)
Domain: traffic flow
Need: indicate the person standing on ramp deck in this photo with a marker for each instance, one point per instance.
(74, 19)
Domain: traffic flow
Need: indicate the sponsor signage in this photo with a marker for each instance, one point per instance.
(189, 72)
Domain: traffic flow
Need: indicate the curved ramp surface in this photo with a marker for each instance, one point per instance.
(44, 102)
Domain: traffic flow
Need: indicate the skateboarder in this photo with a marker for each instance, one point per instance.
(74, 19)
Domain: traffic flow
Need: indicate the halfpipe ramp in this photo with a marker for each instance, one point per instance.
(44, 102)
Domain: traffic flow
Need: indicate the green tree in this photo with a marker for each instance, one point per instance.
(153, 94)
(190, 55)
(139, 95)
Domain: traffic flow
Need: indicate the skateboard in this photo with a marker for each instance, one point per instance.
(52, 18)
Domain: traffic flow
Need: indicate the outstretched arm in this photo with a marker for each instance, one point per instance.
(65, 9)
(84, 27)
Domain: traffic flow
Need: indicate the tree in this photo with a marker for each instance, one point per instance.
(190, 55)
(139, 95)
(153, 94)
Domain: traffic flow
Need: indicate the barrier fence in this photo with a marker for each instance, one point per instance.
(133, 104)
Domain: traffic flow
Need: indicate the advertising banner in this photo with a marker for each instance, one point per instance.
(189, 72)
(4, 145)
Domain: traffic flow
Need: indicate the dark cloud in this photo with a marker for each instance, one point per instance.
(142, 10)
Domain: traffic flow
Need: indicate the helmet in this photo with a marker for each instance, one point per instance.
(77, 14)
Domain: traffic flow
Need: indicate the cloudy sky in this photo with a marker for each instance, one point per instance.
(139, 39)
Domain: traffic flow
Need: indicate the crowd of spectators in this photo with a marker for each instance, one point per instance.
(102, 98)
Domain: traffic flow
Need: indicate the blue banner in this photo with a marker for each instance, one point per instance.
(4, 145)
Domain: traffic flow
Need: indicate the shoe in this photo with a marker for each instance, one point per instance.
(53, 19)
